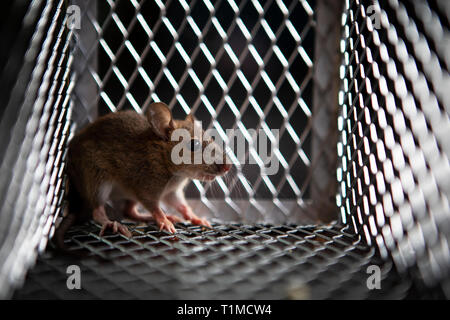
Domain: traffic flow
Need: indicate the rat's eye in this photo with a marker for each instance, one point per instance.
(194, 145)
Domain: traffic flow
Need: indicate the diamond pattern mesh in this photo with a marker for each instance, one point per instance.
(35, 87)
(235, 261)
(236, 65)
(394, 128)
(249, 65)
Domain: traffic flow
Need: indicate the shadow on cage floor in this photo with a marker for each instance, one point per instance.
(229, 261)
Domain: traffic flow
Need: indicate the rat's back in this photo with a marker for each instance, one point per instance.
(114, 133)
(131, 153)
(110, 143)
(114, 126)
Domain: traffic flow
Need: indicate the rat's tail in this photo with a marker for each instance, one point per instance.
(73, 208)
(65, 224)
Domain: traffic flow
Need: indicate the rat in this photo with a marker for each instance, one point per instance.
(128, 155)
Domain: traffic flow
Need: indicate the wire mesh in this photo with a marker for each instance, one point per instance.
(236, 65)
(393, 173)
(394, 126)
(35, 90)
(233, 261)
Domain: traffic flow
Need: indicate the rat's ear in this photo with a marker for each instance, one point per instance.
(190, 117)
(160, 118)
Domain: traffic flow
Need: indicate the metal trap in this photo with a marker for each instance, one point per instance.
(357, 90)
(233, 261)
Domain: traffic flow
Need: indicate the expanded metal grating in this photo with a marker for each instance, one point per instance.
(236, 65)
(234, 261)
(35, 88)
(394, 125)
(249, 64)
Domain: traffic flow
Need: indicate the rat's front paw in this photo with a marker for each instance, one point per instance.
(187, 213)
(165, 224)
(199, 221)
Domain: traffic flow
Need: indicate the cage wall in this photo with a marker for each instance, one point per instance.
(236, 65)
(36, 83)
(393, 174)
(394, 126)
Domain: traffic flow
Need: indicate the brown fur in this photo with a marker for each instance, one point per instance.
(131, 152)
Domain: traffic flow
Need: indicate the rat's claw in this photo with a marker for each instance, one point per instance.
(206, 223)
(124, 230)
(168, 227)
(187, 213)
(116, 228)
(165, 224)
(201, 222)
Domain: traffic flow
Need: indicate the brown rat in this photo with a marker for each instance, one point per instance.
(129, 154)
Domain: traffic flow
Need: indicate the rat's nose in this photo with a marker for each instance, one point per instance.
(224, 167)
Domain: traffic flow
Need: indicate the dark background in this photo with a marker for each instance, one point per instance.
(177, 66)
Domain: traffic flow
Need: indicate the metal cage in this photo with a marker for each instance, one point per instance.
(355, 88)
(241, 66)
(394, 172)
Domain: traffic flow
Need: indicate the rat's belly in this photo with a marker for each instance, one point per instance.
(175, 184)
(115, 198)
(111, 192)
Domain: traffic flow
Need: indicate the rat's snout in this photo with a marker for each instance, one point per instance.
(223, 168)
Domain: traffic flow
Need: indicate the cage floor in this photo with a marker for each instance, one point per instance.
(229, 261)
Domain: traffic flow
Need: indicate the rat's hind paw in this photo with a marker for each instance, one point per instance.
(116, 228)
(200, 221)
(164, 223)
(194, 219)
(174, 219)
